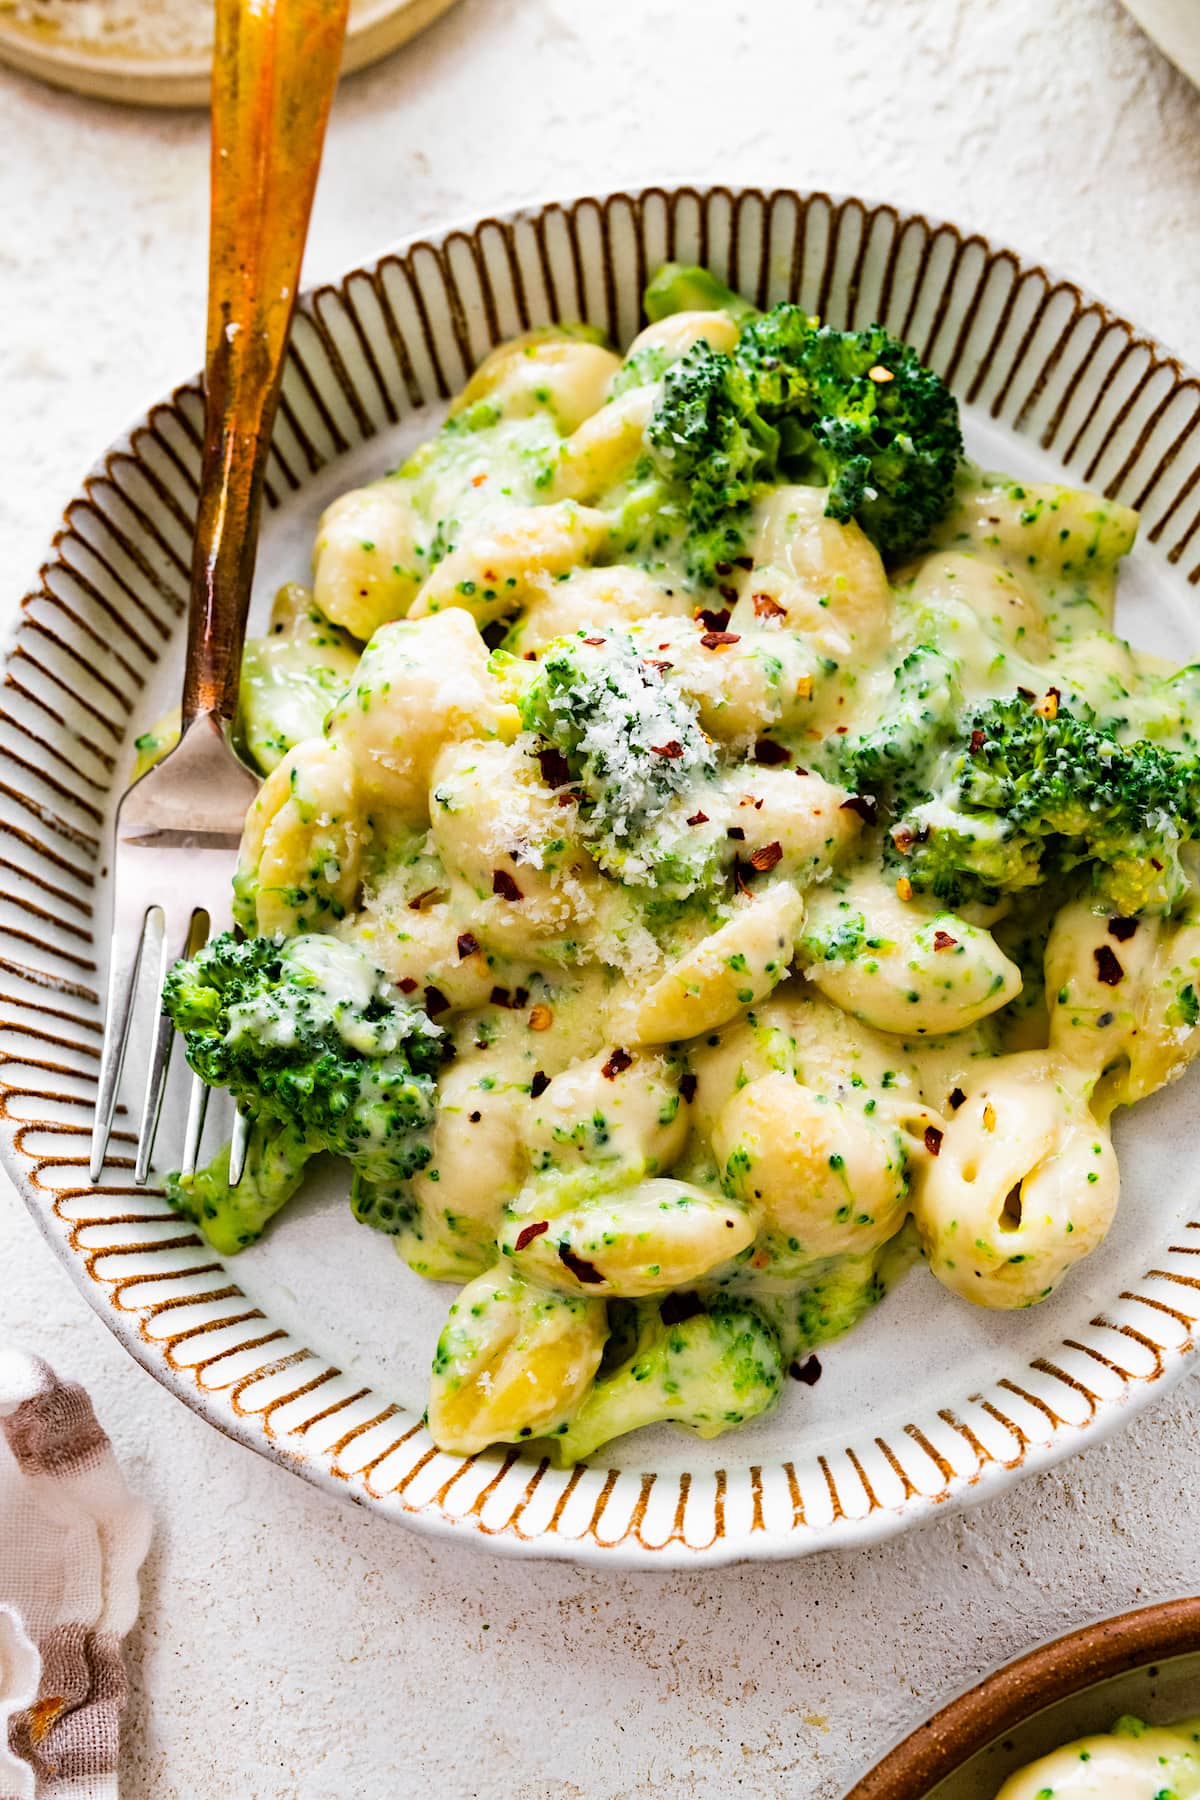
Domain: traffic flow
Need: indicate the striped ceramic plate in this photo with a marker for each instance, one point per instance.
(313, 1346)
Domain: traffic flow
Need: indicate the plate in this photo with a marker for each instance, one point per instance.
(1145, 1663)
(1175, 27)
(116, 66)
(313, 1346)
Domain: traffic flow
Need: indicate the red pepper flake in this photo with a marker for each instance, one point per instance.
(1108, 969)
(956, 1099)
(580, 1268)
(504, 885)
(556, 770)
(767, 607)
(541, 1018)
(521, 998)
(678, 1307)
(1155, 864)
(767, 856)
(593, 641)
(618, 1062)
(700, 818)
(1122, 929)
(424, 899)
(978, 740)
(435, 1002)
(1047, 708)
(718, 640)
(478, 480)
(566, 799)
(943, 941)
(468, 944)
(863, 805)
(500, 996)
(529, 1232)
(723, 568)
(743, 562)
(933, 1139)
(840, 729)
(539, 1084)
(739, 877)
(653, 663)
(407, 985)
(809, 1371)
(687, 1087)
(671, 750)
(712, 619)
(903, 839)
(1025, 693)
(796, 771)
(728, 593)
(736, 832)
(474, 1118)
(770, 754)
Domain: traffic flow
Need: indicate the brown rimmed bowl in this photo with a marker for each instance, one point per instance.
(313, 1346)
(1145, 1662)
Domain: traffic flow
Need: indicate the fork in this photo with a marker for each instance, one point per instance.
(177, 828)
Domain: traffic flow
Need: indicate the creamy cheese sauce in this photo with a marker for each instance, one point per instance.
(1133, 1762)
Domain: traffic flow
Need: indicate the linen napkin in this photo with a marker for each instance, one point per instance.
(72, 1539)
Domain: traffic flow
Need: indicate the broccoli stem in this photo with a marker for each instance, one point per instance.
(233, 1217)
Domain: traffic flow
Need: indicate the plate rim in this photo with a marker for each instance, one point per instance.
(881, 1521)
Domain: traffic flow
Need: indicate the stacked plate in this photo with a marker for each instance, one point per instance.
(159, 55)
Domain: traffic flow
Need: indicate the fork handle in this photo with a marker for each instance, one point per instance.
(274, 71)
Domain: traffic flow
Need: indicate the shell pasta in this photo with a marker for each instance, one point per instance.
(754, 864)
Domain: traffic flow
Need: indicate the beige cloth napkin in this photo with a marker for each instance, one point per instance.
(72, 1539)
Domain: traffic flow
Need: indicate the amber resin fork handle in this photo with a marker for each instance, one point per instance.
(177, 829)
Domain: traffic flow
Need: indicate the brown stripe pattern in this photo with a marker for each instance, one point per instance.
(383, 348)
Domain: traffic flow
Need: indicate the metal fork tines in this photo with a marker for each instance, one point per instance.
(177, 835)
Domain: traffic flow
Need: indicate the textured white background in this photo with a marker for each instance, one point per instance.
(292, 1647)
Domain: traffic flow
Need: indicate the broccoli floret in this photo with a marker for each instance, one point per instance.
(855, 411)
(308, 1030)
(861, 413)
(681, 287)
(232, 1217)
(1036, 792)
(706, 1369)
(632, 748)
(891, 759)
(707, 432)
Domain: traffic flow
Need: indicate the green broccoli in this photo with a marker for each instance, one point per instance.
(1035, 792)
(706, 1368)
(631, 746)
(682, 287)
(854, 411)
(706, 432)
(232, 1217)
(308, 1031)
(859, 413)
(892, 757)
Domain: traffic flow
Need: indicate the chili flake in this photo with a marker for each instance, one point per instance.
(468, 944)
(539, 1084)
(933, 1139)
(863, 805)
(943, 941)
(699, 818)
(718, 640)
(767, 856)
(580, 1268)
(529, 1232)
(767, 607)
(672, 749)
(1122, 929)
(504, 885)
(541, 1018)
(1108, 968)
(618, 1062)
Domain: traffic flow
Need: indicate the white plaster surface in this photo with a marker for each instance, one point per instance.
(292, 1647)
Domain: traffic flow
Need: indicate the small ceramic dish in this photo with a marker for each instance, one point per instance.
(1146, 1663)
(314, 1346)
(1175, 27)
(115, 65)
